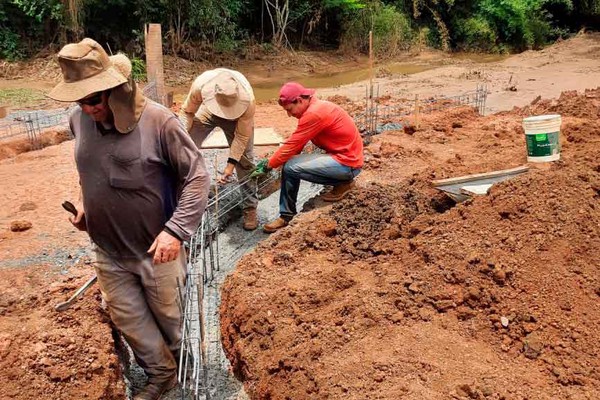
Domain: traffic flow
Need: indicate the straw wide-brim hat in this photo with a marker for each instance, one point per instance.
(225, 97)
(86, 69)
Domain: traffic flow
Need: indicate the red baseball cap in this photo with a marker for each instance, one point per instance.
(291, 91)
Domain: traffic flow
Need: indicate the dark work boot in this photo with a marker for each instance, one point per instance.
(250, 219)
(155, 390)
(339, 191)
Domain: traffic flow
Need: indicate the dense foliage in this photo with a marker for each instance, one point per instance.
(200, 29)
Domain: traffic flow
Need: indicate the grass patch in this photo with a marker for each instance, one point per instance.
(20, 97)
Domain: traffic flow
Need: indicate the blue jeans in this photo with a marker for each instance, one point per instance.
(315, 168)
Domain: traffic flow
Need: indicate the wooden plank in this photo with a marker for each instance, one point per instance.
(485, 175)
(262, 137)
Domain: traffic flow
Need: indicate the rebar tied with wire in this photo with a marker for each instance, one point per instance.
(368, 121)
(203, 263)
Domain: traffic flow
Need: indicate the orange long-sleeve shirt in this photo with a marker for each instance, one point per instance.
(330, 128)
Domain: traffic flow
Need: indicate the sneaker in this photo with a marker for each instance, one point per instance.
(339, 191)
(275, 225)
(154, 391)
(250, 219)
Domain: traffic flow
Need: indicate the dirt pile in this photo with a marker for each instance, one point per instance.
(12, 148)
(569, 103)
(395, 293)
(47, 354)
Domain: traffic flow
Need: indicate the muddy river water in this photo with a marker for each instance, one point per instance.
(268, 90)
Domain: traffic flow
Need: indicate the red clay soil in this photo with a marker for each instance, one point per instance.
(9, 149)
(46, 354)
(397, 293)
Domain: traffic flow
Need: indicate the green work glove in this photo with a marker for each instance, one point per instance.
(262, 168)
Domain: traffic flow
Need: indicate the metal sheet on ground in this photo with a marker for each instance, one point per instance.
(461, 188)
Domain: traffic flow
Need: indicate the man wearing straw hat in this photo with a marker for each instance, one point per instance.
(144, 188)
(224, 98)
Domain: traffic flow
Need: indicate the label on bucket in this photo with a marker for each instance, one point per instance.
(543, 144)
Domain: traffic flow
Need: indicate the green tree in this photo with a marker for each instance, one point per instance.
(436, 9)
(392, 31)
(521, 23)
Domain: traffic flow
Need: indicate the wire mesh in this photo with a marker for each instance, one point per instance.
(203, 265)
(368, 122)
(151, 91)
(201, 359)
(31, 124)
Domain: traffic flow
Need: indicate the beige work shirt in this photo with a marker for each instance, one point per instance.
(193, 107)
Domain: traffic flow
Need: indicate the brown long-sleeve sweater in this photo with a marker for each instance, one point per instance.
(137, 184)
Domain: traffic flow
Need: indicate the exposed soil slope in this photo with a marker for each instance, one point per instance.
(46, 354)
(334, 263)
(393, 293)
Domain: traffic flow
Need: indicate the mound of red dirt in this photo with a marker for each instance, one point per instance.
(397, 293)
(46, 354)
(12, 148)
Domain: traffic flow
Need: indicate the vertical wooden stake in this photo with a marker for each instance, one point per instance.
(371, 103)
(417, 106)
(371, 61)
(154, 60)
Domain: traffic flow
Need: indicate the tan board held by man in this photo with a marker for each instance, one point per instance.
(144, 187)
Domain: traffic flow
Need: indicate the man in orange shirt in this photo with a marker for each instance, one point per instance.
(328, 127)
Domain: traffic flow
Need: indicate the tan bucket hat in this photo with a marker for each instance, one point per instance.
(126, 101)
(86, 69)
(225, 97)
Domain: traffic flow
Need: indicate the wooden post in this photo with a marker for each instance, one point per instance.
(371, 61)
(370, 96)
(417, 111)
(154, 60)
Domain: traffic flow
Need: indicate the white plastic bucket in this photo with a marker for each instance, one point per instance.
(542, 135)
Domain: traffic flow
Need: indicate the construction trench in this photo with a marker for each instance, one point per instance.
(219, 243)
(213, 253)
(204, 371)
(396, 292)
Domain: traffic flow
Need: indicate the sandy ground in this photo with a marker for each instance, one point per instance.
(41, 266)
(514, 82)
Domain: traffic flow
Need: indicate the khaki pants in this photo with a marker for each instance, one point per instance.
(143, 303)
(203, 125)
